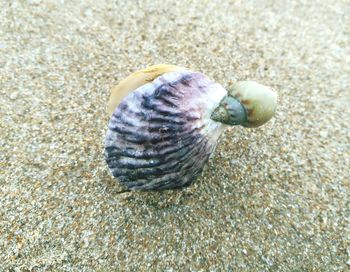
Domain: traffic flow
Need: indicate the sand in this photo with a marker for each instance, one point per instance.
(276, 198)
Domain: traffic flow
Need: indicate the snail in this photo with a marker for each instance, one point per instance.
(165, 122)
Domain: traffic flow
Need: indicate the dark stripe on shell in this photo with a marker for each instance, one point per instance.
(165, 149)
(164, 162)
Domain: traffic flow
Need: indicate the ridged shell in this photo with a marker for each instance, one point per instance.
(161, 135)
(137, 79)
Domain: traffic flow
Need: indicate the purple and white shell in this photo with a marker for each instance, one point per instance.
(161, 135)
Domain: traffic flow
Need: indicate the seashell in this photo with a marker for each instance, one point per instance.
(166, 120)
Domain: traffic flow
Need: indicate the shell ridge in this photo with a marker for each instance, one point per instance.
(164, 158)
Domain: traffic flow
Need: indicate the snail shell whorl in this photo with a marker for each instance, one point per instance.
(259, 101)
(161, 135)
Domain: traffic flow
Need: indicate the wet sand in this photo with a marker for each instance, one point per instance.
(275, 198)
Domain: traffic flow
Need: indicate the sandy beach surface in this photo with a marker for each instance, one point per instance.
(276, 198)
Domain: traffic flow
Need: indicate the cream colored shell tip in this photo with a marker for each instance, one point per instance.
(165, 121)
(259, 101)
